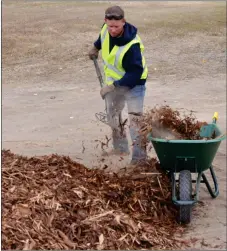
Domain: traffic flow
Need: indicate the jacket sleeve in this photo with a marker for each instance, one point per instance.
(97, 43)
(132, 64)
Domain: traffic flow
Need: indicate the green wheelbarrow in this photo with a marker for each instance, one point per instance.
(185, 157)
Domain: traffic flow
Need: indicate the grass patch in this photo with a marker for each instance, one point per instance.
(209, 19)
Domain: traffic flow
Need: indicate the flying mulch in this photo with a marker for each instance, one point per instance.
(52, 202)
(165, 122)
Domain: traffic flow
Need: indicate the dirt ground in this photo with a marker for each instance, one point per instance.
(50, 91)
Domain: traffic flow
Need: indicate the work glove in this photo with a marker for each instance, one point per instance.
(106, 89)
(93, 53)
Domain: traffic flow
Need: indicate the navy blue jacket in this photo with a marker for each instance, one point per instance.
(132, 60)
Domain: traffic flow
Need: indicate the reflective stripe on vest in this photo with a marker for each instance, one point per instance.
(113, 68)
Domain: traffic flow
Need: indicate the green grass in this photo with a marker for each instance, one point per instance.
(210, 19)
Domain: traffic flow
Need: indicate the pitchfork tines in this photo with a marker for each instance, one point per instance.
(102, 116)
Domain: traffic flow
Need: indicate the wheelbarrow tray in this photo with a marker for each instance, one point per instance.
(198, 153)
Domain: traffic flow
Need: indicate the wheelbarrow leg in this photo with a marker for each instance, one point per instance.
(214, 193)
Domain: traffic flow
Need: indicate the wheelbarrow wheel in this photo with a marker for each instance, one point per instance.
(185, 194)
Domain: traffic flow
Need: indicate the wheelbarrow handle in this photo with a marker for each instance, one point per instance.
(215, 117)
(98, 71)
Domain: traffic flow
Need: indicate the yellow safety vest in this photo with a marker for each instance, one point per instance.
(113, 68)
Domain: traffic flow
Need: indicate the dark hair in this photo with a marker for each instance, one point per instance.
(114, 12)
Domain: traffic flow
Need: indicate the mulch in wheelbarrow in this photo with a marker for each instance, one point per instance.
(166, 122)
(53, 202)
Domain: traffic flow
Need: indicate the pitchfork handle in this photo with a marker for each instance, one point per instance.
(98, 71)
(99, 77)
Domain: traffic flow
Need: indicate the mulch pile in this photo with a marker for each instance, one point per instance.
(181, 126)
(52, 202)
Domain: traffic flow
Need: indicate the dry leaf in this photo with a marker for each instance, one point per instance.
(29, 244)
(79, 193)
(101, 239)
(12, 189)
(22, 211)
(118, 219)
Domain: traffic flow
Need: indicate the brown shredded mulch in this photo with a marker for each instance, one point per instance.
(164, 121)
(52, 202)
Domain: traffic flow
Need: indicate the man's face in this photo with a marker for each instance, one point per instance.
(115, 27)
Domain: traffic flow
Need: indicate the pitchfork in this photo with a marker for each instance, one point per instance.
(101, 116)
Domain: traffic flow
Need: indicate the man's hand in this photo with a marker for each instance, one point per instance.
(106, 89)
(93, 53)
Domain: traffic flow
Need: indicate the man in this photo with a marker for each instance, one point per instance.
(125, 77)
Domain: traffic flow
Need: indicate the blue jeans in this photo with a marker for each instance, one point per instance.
(115, 102)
